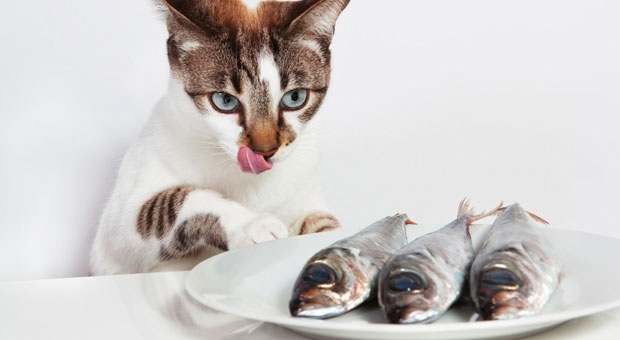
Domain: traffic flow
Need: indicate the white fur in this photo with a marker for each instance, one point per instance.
(190, 45)
(268, 73)
(252, 4)
(180, 145)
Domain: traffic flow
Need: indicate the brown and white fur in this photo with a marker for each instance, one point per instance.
(180, 194)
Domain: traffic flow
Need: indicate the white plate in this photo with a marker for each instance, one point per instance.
(256, 282)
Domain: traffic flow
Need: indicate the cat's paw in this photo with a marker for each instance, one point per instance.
(317, 222)
(261, 228)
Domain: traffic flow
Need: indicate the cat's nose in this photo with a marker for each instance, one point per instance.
(265, 154)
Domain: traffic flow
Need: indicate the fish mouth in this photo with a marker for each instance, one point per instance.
(410, 314)
(408, 308)
(316, 310)
(499, 304)
(315, 302)
(504, 311)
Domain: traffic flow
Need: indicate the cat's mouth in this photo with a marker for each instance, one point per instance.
(252, 162)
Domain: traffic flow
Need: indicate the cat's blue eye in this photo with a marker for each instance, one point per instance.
(224, 102)
(294, 99)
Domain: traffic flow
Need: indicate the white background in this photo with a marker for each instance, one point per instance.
(430, 101)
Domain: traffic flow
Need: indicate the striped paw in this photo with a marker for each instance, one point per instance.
(318, 222)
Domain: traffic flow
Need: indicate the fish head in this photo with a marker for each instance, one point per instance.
(332, 282)
(502, 291)
(407, 294)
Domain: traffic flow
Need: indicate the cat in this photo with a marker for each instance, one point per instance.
(230, 154)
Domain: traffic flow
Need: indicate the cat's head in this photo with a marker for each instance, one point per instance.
(256, 74)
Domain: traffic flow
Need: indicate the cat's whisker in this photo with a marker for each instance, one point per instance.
(197, 128)
(211, 147)
(223, 162)
(201, 130)
(213, 144)
(218, 155)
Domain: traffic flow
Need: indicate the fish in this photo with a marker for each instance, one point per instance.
(343, 275)
(423, 279)
(516, 270)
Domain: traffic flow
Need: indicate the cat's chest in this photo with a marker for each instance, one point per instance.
(267, 196)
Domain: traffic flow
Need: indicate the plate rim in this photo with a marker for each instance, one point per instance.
(324, 324)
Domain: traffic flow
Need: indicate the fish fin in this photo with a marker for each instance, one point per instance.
(466, 209)
(494, 211)
(538, 218)
(500, 210)
(532, 215)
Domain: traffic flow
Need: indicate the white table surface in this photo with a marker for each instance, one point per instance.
(156, 306)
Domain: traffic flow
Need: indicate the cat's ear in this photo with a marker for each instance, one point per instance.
(319, 20)
(185, 15)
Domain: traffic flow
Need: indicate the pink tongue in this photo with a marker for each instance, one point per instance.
(252, 162)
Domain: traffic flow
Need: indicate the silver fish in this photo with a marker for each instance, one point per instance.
(516, 271)
(342, 276)
(420, 281)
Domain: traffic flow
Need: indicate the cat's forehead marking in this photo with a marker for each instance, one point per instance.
(253, 4)
(269, 74)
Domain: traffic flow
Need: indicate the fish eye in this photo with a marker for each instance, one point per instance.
(501, 278)
(224, 102)
(294, 99)
(407, 282)
(320, 274)
(509, 250)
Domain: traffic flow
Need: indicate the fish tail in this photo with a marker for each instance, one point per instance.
(466, 209)
(532, 215)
